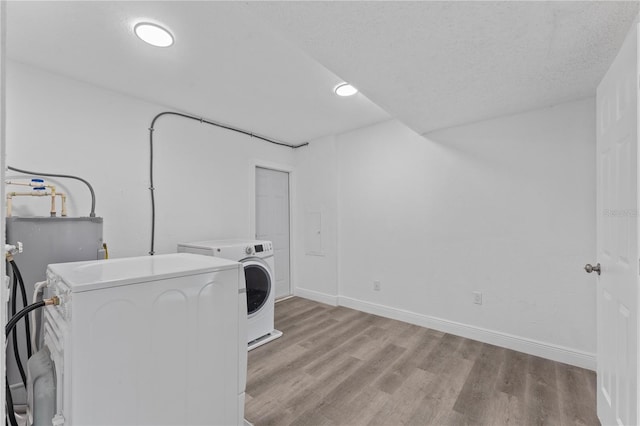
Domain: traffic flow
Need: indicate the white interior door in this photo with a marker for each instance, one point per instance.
(617, 243)
(272, 222)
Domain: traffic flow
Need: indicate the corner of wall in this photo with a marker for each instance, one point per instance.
(317, 296)
(316, 221)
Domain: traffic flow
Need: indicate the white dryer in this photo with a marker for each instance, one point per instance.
(257, 258)
(146, 340)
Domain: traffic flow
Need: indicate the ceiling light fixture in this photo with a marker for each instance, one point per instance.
(153, 34)
(345, 89)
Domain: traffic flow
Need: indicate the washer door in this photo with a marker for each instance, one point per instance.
(258, 280)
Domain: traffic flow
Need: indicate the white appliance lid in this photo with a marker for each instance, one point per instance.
(97, 274)
(222, 243)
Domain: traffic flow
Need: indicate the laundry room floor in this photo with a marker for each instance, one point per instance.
(338, 366)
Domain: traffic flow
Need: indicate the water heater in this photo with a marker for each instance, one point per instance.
(47, 240)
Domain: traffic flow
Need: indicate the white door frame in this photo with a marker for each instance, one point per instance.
(279, 167)
(3, 156)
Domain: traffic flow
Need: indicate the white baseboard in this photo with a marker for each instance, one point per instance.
(316, 296)
(520, 344)
(284, 298)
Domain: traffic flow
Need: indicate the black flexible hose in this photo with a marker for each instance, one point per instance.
(10, 413)
(14, 335)
(93, 194)
(14, 319)
(23, 291)
(201, 120)
(8, 328)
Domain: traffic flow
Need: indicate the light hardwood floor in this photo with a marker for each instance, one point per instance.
(338, 366)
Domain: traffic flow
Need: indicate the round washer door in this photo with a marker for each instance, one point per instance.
(258, 280)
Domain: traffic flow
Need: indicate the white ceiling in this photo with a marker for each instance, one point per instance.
(224, 66)
(270, 67)
(439, 64)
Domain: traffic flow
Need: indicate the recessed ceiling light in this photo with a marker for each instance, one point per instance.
(345, 89)
(153, 34)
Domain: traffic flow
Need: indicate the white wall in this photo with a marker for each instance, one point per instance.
(202, 174)
(317, 185)
(505, 207)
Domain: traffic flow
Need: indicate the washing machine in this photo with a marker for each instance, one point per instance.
(257, 259)
(142, 341)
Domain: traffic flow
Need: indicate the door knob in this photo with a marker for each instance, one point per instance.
(590, 268)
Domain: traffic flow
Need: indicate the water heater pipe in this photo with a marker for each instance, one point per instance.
(93, 194)
(63, 201)
(52, 194)
(39, 185)
(30, 183)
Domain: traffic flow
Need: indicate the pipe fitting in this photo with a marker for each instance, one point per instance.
(55, 300)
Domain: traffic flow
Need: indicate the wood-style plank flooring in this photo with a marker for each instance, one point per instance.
(338, 366)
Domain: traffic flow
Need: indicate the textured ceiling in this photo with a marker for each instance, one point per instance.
(225, 65)
(270, 67)
(439, 64)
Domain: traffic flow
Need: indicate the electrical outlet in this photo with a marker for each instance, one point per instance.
(376, 286)
(477, 297)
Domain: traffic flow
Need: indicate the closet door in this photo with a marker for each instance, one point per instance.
(272, 222)
(617, 265)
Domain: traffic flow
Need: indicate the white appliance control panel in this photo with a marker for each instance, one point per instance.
(263, 248)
